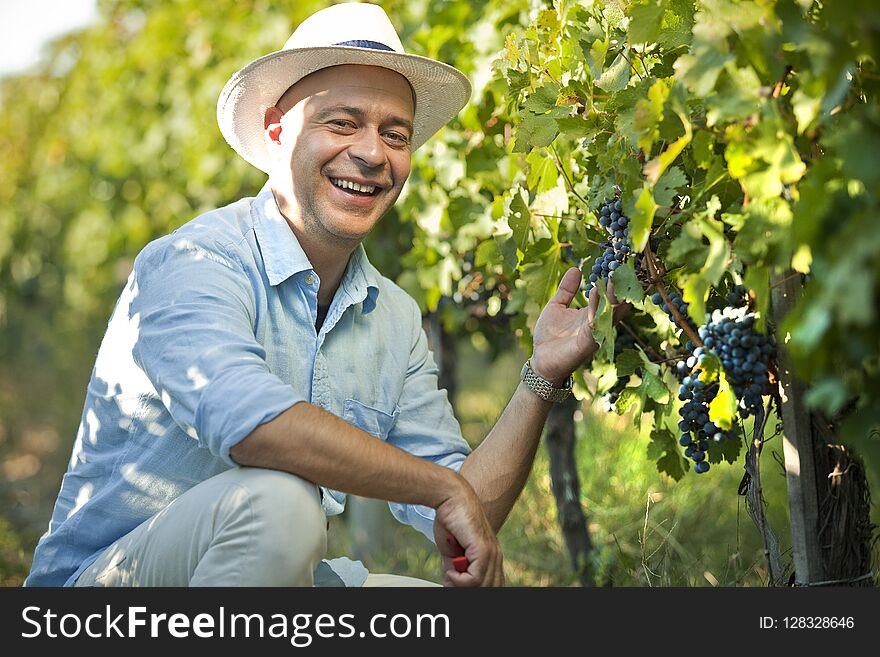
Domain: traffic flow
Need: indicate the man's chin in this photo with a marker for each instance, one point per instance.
(351, 226)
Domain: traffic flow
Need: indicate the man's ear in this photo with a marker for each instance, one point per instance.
(272, 124)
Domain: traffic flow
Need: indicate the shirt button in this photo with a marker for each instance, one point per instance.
(310, 279)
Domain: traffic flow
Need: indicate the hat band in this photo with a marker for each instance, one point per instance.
(363, 43)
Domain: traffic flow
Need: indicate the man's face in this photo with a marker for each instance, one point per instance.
(344, 149)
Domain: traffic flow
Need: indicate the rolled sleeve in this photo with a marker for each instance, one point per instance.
(195, 310)
(426, 425)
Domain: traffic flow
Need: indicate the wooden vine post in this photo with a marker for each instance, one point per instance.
(799, 448)
(567, 489)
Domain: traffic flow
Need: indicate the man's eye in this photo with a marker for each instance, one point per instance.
(397, 137)
(342, 123)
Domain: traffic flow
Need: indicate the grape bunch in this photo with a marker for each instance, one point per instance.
(611, 218)
(697, 432)
(730, 334)
(744, 354)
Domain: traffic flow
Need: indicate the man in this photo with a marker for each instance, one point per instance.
(257, 368)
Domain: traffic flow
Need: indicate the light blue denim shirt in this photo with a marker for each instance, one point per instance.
(213, 335)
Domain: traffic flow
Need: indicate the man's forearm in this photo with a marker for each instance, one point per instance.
(318, 446)
(499, 467)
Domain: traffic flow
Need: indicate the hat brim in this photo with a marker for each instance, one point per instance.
(440, 90)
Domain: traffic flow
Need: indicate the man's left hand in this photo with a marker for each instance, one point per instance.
(563, 336)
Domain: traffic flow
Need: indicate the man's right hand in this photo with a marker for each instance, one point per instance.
(461, 525)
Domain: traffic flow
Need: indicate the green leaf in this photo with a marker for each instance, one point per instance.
(711, 368)
(668, 186)
(645, 20)
(544, 98)
(726, 450)
(511, 52)
(576, 127)
(626, 285)
(655, 168)
(737, 95)
(719, 251)
(616, 76)
(606, 375)
(699, 71)
(664, 448)
(542, 271)
(487, 253)
(829, 395)
(642, 218)
(806, 108)
(595, 53)
(723, 408)
(519, 219)
(702, 149)
(649, 113)
(811, 328)
(628, 361)
(696, 290)
(543, 174)
(603, 329)
(548, 20)
(509, 249)
(630, 399)
(678, 21)
(535, 131)
(517, 80)
(688, 249)
(655, 388)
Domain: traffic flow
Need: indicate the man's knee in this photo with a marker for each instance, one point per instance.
(285, 523)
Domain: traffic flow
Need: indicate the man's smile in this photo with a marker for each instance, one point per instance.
(355, 186)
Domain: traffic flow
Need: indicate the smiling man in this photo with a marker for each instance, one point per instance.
(257, 368)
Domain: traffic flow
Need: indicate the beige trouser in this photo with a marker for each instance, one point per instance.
(243, 527)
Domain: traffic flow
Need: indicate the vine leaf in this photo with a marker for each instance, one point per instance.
(615, 77)
(519, 219)
(628, 361)
(723, 407)
(665, 450)
(626, 285)
(642, 218)
(542, 270)
(655, 168)
(668, 185)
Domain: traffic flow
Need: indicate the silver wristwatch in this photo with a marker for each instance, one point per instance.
(541, 386)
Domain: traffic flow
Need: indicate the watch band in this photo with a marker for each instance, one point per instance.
(542, 387)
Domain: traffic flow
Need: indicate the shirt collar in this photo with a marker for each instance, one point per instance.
(283, 256)
(361, 280)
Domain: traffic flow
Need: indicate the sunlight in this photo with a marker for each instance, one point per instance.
(83, 496)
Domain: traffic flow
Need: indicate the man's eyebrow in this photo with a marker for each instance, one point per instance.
(327, 112)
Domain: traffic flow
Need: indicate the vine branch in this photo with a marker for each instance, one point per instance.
(568, 181)
(777, 88)
(629, 61)
(657, 280)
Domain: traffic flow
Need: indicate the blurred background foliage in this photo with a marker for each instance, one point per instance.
(113, 142)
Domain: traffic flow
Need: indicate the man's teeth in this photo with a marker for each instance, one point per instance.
(347, 184)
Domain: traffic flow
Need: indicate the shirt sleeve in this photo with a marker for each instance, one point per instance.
(426, 425)
(196, 343)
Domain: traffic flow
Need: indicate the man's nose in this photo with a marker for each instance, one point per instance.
(368, 148)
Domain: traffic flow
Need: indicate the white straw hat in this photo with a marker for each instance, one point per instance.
(348, 33)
